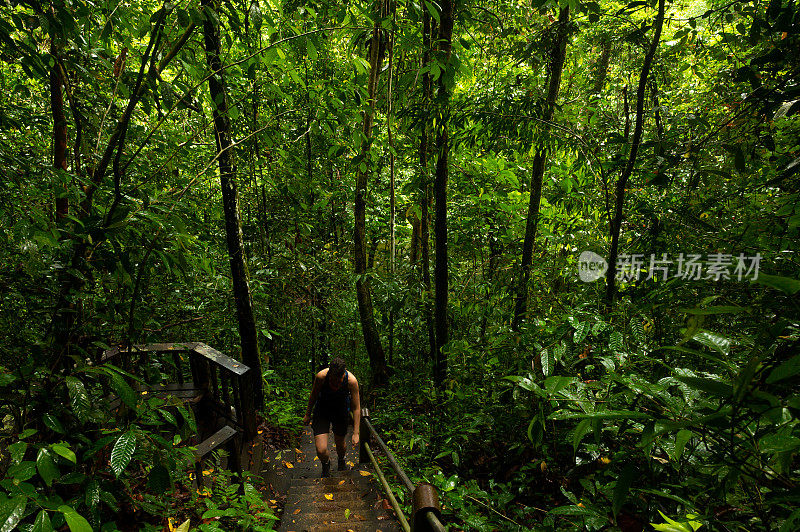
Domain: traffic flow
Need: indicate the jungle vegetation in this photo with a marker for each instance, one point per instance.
(413, 186)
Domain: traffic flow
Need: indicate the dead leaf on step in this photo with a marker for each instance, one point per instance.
(341, 482)
(329, 496)
(296, 511)
(364, 473)
(288, 464)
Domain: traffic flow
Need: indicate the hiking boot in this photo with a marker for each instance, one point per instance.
(342, 465)
(326, 469)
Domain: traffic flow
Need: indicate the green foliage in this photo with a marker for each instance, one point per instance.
(691, 384)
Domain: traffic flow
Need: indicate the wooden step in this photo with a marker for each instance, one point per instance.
(356, 505)
(216, 440)
(373, 525)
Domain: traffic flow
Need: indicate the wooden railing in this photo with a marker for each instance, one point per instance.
(194, 372)
(426, 511)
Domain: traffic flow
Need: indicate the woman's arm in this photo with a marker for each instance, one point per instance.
(313, 398)
(356, 407)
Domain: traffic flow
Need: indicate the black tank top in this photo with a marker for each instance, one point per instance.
(333, 401)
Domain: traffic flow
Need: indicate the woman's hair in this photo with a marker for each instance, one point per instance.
(336, 369)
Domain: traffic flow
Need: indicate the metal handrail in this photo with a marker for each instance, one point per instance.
(428, 509)
(389, 456)
(386, 488)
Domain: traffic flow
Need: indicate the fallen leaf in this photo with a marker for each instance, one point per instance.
(329, 496)
(386, 505)
(364, 473)
(273, 501)
(298, 450)
(316, 458)
(288, 464)
(296, 512)
(341, 482)
(351, 464)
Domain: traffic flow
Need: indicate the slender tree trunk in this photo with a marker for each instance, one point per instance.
(440, 193)
(392, 206)
(252, 392)
(425, 195)
(372, 340)
(59, 130)
(600, 76)
(539, 162)
(616, 223)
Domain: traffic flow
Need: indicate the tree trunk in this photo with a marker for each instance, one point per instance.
(616, 223)
(539, 162)
(392, 206)
(440, 193)
(425, 196)
(372, 340)
(59, 131)
(252, 393)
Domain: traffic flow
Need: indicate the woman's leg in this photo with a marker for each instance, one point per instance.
(321, 442)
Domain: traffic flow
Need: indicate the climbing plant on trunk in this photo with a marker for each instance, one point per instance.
(372, 340)
(440, 192)
(233, 225)
(558, 54)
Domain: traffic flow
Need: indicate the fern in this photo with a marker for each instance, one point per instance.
(615, 342)
(122, 452)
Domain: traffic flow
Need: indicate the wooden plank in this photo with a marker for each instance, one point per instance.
(219, 438)
(224, 361)
(150, 348)
(110, 353)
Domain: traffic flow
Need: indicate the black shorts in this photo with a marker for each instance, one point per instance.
(322, 420)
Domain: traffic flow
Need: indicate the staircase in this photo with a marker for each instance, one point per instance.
(347, 501)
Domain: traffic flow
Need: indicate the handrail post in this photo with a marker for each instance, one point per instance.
(426, 500)
(365, 437)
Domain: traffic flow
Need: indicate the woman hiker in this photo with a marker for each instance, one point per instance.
(334, 393)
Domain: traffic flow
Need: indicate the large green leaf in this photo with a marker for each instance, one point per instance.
(64, 451)
(608, 414)
(623, 486)
(123, 390)
(53, 423)
(79, 398)
(713, 387)
(714, 341)
(17, 507)
(122, 452)
(788, 369)
(47, 467)
(75, 521)
(159, 479)
(581, 330)
(23, 471)
(784, 284)
(42, 523)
